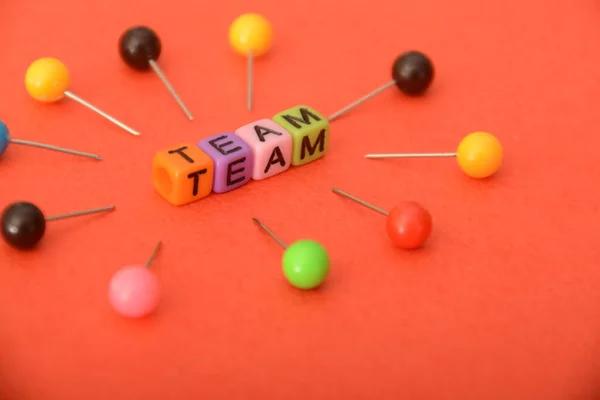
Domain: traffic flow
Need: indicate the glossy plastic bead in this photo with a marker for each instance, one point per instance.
(479, 155)
(305, 263)
(408, 225)
(140, 47)
(5, 140)
(24, 224)
(250, 35)
(412, 74)
(134, 290)
(47, 80)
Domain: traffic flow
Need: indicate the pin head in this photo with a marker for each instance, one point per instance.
(251, 33)
(23, 225)
(409, 225)
(47, 79)
(4, 137)
(480, 155)
(305, 264)
(134, 291)
(413, 73)
(138, 45)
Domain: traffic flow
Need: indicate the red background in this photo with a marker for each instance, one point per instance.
(502, 304)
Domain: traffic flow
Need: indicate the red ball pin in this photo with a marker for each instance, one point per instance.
(408, 224)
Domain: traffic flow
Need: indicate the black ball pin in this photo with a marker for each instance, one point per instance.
(140, 48)
(24, 224)
(412, 74)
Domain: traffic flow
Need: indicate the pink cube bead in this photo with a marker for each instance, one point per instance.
(271, 147)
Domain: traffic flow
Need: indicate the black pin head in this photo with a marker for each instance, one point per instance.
(138, 45)
(23, 225)
(413, 73)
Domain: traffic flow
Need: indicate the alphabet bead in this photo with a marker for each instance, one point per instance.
(271, 146)
(233, 160)
(226, 161)
(309, 131)
(182, 174)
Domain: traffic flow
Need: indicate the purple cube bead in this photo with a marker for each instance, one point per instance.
(233, 160)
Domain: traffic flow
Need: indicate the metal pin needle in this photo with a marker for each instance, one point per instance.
(359, 201)
(98, 111)
(154, 253)
(170, 88)
(358, 102)
(409, 155)
(270, 233)
(55, 148)
(250, 82)
(80, 213)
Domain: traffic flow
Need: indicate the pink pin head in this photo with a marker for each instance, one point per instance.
(134, 291)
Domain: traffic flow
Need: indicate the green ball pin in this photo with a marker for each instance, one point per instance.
(305, 262)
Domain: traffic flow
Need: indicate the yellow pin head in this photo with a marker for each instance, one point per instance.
(251, 33)
(480, 155)
(47, 79)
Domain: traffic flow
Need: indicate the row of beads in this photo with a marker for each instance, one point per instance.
(220, 163)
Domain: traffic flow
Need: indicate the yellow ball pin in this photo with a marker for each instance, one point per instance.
(47, 80)
(251, 35)
(479, 155)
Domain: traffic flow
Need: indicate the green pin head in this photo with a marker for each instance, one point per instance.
(305, 264)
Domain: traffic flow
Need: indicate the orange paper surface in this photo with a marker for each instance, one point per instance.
(503, 303)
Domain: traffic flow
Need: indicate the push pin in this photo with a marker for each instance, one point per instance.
(24, 224)
(408, 225)
(305, 262)
(134, 290)
(412, 73)
(47, 80)
(479, 155)
(251, 35)
(5, 139)
(140, 48)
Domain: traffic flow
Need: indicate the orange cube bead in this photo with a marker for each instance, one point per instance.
(182, 174)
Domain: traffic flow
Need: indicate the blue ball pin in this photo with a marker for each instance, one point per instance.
(5, 140)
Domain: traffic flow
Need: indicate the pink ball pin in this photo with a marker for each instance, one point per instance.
(134, 290)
